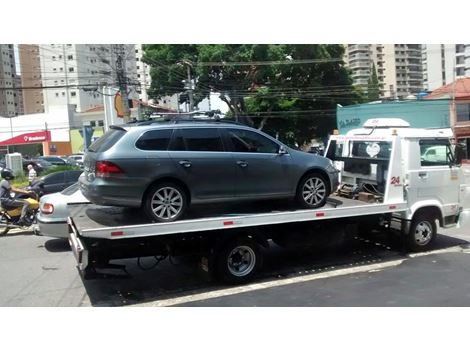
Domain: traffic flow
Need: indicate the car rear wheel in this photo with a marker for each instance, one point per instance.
(166, 202)
(313, 191)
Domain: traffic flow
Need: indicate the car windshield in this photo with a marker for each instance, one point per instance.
(70, 190)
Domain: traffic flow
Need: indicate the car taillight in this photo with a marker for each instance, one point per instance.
(47, 208)
(106, 169)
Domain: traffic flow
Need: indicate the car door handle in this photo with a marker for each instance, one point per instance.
(423, 174)
(185, 163)
(242, 163)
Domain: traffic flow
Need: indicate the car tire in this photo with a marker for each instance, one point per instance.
(165, 202)
(238, 260)
(313, 191)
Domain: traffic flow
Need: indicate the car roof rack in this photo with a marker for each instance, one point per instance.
(210, 116)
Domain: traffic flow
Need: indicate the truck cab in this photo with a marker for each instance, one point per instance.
(391, 162)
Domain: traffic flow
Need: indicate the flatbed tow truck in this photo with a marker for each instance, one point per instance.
(394, 177)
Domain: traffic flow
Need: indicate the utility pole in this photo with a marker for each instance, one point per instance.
(188, 83)
(122, 78)
(190, 89)
(66, 78)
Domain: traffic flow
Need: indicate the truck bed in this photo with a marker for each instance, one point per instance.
(93, 221)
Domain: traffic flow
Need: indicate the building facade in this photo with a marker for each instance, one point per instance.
(74, 73)
(398, 67)
(142, 74)
(31, 76)
(9, 98)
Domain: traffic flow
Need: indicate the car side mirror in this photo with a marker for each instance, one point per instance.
(282, 150)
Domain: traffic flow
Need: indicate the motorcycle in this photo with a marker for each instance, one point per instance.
(10, 216)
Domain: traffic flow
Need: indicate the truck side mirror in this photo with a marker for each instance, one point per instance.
(459, 154)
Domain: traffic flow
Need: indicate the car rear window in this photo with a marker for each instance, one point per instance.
(107, 140)
(70, 190)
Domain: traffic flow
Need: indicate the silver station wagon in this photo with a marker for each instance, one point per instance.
(164, 167)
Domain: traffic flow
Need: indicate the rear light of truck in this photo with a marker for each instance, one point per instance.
(107, 169)
(47, 208)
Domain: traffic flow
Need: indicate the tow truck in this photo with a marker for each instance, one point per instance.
(393, 177)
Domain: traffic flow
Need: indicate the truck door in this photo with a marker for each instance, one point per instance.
(436, 177)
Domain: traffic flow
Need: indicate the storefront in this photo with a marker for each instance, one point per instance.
(37, 134)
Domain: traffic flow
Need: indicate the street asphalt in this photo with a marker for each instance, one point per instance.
(372, 271)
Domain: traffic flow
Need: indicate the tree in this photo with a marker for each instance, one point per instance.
(373, 85)
(289, 90)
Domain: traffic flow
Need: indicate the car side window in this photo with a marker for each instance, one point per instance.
(54, 178)
(200, 140)
(72, 176)
(154, 140)
(435, 153)
(245, 141)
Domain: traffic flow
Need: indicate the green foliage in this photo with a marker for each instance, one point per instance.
(58, 168)
(373, 92)
(295, 102)
(20, 181)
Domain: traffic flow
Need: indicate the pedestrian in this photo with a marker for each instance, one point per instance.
(6, 199)
(31, 174)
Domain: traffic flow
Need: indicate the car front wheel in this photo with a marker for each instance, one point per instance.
(313, 191)
(165, 202)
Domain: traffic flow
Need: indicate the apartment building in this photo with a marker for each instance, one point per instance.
(466, 58)
(399, 67)
(75, 73)
(30, 68)
(359, 58)
(142, 74)
(9, 98)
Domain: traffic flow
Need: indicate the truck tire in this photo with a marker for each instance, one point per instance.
(423, 232)
(165, 202)
(313, 191)
(238, 260)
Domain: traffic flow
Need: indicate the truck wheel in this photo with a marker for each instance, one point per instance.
(313, 191)
(422, 233)
(165, 202)
(238, 261)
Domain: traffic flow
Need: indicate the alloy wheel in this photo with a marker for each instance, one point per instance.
(167, 203)
(314, 191)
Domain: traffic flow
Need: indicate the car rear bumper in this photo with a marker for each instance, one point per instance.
(53, 228)
(118, 193)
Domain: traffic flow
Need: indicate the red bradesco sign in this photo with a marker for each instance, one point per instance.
(28, 138)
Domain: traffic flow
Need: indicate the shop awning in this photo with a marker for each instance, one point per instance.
(28, 138)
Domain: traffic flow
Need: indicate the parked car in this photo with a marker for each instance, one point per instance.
(68, 160)
(39, 165)
(55, 182)
(78, 158)
(53, 212)
(316, 150)
(164, 167)
(54, 160)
